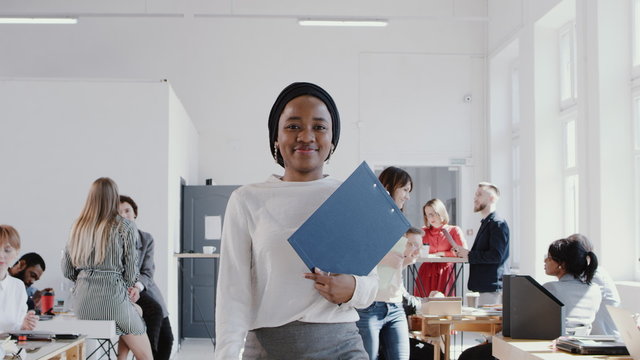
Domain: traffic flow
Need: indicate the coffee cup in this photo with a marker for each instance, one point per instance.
(208, 249)
(424, 251)
(472, 299)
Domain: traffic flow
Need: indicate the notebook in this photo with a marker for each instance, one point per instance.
(629, 332)
(592, 345)
(353, 229)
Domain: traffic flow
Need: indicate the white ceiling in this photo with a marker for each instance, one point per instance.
(467, 10)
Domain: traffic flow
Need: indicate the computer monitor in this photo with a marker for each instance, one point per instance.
(529, 311)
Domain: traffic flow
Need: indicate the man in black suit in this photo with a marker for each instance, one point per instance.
(145, 292)
(490, 249)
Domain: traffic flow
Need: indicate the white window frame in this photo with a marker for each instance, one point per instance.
(571, 190)
(569, 29)
(516, 204)
(635, 38)
(514, 85)
(516, 174)
(635, 96)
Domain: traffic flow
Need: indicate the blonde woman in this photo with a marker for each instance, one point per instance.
(100, 258)
(438, 235)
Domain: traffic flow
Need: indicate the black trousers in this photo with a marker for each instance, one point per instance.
(158, 327)
(478, 352)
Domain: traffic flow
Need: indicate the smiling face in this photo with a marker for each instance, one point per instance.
(401, 195)
(304, 138)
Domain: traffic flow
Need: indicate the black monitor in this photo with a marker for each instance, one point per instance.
(529, 311)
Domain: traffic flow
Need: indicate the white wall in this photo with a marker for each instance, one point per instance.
(604, 124)
(60, 135)
(229, 67)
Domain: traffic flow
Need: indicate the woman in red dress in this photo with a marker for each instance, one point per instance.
(438, 276)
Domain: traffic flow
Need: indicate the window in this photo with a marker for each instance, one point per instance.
(571, 180)
(571, 192)
(515, 97)
(567, 51)
(636, 157)
(515, 227)
(515, 167)
(635, 48)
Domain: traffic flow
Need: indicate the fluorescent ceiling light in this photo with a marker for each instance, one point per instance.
(18, 20)
(363, 23)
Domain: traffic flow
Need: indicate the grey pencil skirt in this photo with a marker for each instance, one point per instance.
(309, 341)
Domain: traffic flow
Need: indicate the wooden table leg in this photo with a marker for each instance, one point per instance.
(447, 340)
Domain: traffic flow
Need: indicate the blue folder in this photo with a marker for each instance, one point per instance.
(353, 229)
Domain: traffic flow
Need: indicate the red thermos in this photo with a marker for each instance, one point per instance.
(46, 302)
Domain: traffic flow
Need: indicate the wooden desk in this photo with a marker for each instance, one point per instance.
(54, 350)
(437, 329)
(505, 348)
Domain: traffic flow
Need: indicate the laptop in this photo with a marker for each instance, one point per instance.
(592, 345)
(629, 332)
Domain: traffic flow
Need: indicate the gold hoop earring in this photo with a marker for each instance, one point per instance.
(275, 152)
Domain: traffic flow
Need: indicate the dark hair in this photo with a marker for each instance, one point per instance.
(393, 178)
(291, 92)
(127, 199)
(32, 259)
(575, 258)
(583, 239)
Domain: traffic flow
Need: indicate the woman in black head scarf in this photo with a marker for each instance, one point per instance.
(265, 286)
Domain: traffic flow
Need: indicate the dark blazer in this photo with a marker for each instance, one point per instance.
(488, 255)
(147, 266)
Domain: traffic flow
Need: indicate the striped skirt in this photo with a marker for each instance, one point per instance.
(102, 295)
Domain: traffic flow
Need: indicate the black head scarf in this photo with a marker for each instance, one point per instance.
(291, 92)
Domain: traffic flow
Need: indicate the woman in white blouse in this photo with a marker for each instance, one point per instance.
(267, 294)
(13, 297)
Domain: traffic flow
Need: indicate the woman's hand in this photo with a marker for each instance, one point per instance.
(134, 294)
(30, 321)
(337, 288)
(461, 252)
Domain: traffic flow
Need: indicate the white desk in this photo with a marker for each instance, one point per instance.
(195, 255)
(505, 348)
(52, 350)
(103, 331)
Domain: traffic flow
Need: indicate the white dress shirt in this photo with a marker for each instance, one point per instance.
(13, 303)
(261, 282)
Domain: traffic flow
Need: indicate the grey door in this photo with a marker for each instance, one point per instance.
(203, 210)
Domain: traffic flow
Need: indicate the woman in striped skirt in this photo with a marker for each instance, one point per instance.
(100, 258)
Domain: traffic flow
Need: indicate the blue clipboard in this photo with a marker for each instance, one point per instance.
(353, 229)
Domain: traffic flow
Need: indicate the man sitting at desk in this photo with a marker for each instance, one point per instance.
(29, 269)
